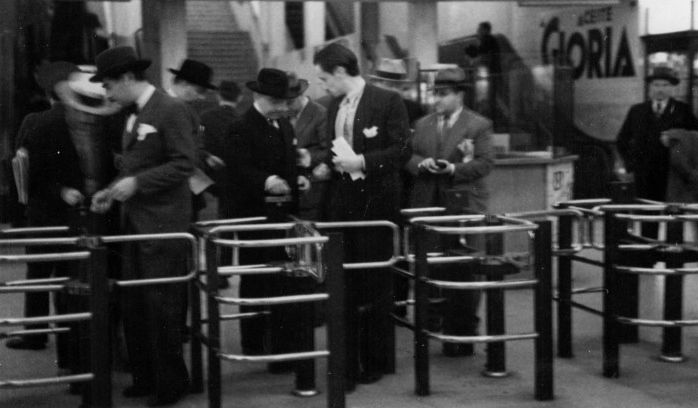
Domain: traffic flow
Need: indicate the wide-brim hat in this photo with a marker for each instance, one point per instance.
(278, 84)
(393, 70)
(195, 72)
(50, 74)
(115, 61)
(450, 78)
(665, 73)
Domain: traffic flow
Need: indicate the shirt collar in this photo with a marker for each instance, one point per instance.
(145, 96)
(355, 94)
(453, 117)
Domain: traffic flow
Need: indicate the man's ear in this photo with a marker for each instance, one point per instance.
(339, 70)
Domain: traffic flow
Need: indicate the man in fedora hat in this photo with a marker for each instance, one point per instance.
(365, 185)
(639, 141)
(452, 155)
(191, 84)
(158, 158)
(261, 178)
(217, 123)
(392, 74)
(55, 186)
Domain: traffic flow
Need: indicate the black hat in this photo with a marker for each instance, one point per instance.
(229, 90)
(195, 72)
(665, 73)
(115, 61)
(450, 78)
(49, 75)
(277, 83)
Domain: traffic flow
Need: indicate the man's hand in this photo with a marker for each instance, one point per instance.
(71, 196)
(277, 186)
(101, 202)
(321, 172)
(348, 164)
(214, 162)
(444, 167)
(124, 189)
(428, 164)
(303, 183)
(304, 158)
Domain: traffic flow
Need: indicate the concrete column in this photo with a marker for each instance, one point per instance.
(423, 38)
(314, 14)
(164, 37)
(277, 31)
(370, 28)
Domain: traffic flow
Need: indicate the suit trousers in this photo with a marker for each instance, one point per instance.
(152, 317)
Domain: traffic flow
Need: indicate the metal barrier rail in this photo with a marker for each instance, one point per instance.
(184, 236)
(98, 395)
(396, 256)
(305, 376)
(540, 232)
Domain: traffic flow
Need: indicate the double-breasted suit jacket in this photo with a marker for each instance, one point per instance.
(385, 151)
(159, 152)
(641, 149)
(467, 144)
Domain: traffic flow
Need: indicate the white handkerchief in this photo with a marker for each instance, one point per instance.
(371, 132)
(143, 130)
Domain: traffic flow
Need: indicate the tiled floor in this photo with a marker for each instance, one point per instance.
(644, 383)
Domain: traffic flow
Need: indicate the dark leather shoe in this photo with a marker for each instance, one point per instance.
(457, 350)
(136, 391)
(369, 377)
(20, 343)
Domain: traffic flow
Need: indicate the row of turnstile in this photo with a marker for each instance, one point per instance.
(316, 250)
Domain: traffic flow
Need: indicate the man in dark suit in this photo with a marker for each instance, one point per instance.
(639, 141)
(309, 120)
(158, 158)
(262, 179)
(452, 151)
(217, 123)
(365, 186)
(55, 186)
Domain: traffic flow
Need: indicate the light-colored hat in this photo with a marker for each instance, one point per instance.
(391, 70)
(450, 78)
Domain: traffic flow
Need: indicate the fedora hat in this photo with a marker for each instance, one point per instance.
(115, 61)
(450, 78)
(49, 75)
(277, 83)
(391, 70)
(195, 72)
(665, 73)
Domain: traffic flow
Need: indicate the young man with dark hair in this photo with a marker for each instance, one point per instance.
(365, 185)
(158, 158)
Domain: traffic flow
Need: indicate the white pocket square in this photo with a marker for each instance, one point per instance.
(143, 130)
(371, 132)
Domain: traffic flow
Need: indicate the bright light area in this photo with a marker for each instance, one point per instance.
(665, 16)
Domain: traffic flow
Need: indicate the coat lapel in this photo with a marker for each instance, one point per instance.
(130, 137)
(361, 119)
(455, 135)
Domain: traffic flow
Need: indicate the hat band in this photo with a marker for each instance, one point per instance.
(390, 75)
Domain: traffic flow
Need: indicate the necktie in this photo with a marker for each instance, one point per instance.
(443, 129)
(131, 109)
